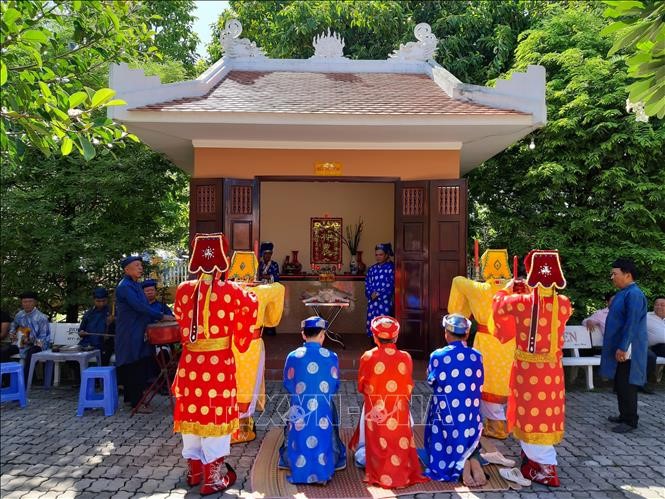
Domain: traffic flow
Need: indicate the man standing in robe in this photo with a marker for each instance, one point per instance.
(211, 313)
(536, 320)
(269, 271)
(385, 378)
(312, 449)
(624, 356)
(468, 297)
(133, 353)
(380, 286)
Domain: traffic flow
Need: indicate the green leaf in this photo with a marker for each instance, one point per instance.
(115, 102)
(46, 92)
(34, 35)
(77, 98)
(87, 148)
(66, 146)
(10, 16)
(76, 5)
(101, 96)
(3, 73)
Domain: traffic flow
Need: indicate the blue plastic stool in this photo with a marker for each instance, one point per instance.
(16, 388)
(89, 398)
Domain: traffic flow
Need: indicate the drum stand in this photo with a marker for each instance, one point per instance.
(167, 371)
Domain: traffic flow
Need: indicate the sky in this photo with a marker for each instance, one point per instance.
(207, 12)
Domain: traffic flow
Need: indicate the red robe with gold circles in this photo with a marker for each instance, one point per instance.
(537, 402)
(205, 385)
(385, 378)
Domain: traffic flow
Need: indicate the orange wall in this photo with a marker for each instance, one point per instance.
(248, 163)
(286, 209)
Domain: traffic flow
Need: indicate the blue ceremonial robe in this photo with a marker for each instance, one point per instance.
(626, 326)
(160, 307)
(94, 321)
(132, 314)
(312, 448)
(380, 278)
(454, 424)
(266, 271)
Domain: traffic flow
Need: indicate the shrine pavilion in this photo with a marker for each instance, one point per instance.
(271, 144)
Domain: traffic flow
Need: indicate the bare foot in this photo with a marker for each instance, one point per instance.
(467, 476)
(477, 472)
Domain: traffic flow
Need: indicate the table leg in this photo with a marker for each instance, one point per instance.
(31, 371)
(56, 374)
(48, 374)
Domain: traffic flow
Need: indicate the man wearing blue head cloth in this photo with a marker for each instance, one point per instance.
(97, 322)
(380, 286)
(133, 354)
(312, 449)
(454, 425)
(269, 271)
(150, 291)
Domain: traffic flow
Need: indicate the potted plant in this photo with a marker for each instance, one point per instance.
(352, 241)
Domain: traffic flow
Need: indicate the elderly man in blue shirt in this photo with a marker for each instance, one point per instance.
(30, 329)
(624, 355)
(133, 313)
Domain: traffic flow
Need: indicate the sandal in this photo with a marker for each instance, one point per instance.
(497, 458)
(514, 475)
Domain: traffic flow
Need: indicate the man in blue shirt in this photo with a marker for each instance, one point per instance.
(133, 354)
(97, 321)
(30, 329)
(150, 291)
(624, 355)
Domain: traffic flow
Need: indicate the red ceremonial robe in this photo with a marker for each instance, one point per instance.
(205, 385)
(385, 379)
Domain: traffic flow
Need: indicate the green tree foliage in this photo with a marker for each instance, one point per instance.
(593, 187)
(173, 21)
(641, 32)
(49, 48)
(67, 222)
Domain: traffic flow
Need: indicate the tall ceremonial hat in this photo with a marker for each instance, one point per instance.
(543, 269)
(314, 322)
(385, 327)
(209, 254)
(495, 265)
(456, 324)
(266, 246)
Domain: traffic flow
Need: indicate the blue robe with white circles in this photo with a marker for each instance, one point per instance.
(380, 279)
(454, 424)
(312, 448)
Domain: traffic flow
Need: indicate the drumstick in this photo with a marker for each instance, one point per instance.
(100, 334)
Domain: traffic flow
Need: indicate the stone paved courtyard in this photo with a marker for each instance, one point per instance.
(46, 451)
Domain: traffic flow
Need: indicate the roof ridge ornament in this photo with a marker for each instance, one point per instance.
(328, 46)
(238, 47)
(422, 50)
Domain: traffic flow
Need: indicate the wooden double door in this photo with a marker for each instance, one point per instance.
(430, 243)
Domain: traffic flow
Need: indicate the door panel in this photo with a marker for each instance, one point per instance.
(412, 267)
(205, 206)
(241, 213)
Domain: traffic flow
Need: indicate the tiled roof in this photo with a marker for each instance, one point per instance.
(327, 93)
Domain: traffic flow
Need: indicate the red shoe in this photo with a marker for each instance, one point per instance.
(215, 480)
(194, 472)
(541, 473)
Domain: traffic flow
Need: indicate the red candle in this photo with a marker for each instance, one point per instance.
(475, 252)
(515, 267)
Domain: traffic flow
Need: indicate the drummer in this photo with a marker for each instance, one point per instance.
(150, 291)
(133, 353)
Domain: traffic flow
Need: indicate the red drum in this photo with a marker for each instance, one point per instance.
(163, 333)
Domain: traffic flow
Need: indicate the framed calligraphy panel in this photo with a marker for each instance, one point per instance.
(326, 241)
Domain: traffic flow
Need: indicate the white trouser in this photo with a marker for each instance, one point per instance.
(542, 454)
(205, 449)
(492, 410)
(257, 385)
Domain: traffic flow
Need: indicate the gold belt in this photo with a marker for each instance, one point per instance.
(209, 345)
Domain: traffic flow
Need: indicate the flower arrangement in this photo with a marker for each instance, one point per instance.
(353, 233)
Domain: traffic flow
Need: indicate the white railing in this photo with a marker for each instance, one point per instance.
(173, 273)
